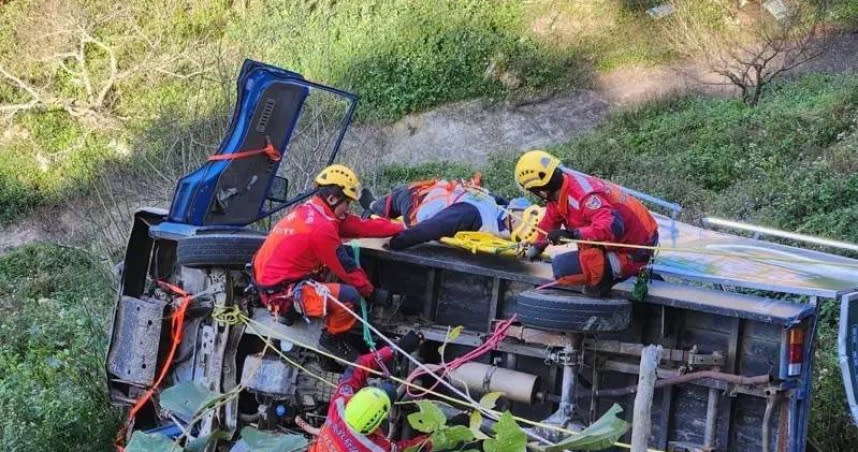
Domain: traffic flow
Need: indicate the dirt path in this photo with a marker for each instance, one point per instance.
(470, 131)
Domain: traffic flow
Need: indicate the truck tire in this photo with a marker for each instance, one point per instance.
(218, 250)
(566, 311)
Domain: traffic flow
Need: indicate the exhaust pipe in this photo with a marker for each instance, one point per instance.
(516, 386)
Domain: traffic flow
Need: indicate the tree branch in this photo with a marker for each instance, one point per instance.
(81, 61)
(21, 84)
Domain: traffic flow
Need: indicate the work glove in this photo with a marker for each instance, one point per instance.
(534, 251)
(379, 296)
(410, 341)
(558, 236)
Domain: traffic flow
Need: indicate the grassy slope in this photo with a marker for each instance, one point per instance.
(790, 163)
(400, 56)
(53, 304)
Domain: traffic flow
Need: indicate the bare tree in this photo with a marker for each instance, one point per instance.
(73, 68)
(750, 43)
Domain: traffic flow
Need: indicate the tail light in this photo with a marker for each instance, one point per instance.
(795, 356)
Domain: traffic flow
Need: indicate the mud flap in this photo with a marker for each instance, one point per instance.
(847, 349)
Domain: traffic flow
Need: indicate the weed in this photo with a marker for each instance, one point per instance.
(54, 304)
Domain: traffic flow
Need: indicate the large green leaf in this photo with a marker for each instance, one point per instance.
(187, 399)
(259, 441)
(155, 442)
(600, 435)
(451, 437)
(428, 419)
(509, 436)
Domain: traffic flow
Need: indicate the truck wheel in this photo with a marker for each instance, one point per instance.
(566, 311)
(218, 250)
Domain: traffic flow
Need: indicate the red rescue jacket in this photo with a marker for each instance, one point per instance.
(309, 239)
(337, 436)
(601, 212)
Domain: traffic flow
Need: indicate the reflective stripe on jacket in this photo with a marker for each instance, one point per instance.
(336, 435)
(309, 238)
(602, 212)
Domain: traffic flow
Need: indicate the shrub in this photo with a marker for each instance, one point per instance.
(54, 304)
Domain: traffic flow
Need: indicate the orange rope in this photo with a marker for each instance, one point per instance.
(178, 320)
(268, 150)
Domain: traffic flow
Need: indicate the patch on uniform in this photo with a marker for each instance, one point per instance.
(593, 202)
(347, 390)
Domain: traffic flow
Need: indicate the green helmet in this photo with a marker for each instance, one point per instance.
(366, 410)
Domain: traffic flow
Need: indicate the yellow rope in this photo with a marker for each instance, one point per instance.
(227, 315)
(225, 398)
(233, 314)
(686, 249)
(259, 327)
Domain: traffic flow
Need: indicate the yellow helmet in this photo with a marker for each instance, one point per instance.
(528, 226)
(340, 176)
(534, 169)
(366, 409)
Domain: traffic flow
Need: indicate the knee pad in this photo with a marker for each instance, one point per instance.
(348, 294)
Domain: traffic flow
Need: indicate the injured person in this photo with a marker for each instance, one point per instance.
(438, 208)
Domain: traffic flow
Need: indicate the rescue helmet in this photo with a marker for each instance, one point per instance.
(535, 168)
(367, 409)
(527, 228)
(340, 176)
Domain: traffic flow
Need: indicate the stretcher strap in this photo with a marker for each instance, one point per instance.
(269, 150)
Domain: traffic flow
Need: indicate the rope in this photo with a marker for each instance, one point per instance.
(490, 344)
(269, 150)
(232, 315)
(367, 335)
(449, 386)
(177, 322)
(228, 313)
(686, 249)
(260, 327)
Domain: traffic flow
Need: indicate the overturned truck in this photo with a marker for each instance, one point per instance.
(737, 323)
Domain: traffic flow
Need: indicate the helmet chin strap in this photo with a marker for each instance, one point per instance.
(333, 206)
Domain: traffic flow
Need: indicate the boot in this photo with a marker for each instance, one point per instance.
(603, 288)
(338, 345)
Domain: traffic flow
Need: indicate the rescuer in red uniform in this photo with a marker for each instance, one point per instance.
(356, 412)
(587, 208)
(306, 244)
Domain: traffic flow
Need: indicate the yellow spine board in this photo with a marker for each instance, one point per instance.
(482, 242)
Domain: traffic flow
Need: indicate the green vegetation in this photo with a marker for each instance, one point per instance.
(402, 56)
(54, 305)
(790, 163)
(68, 111)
